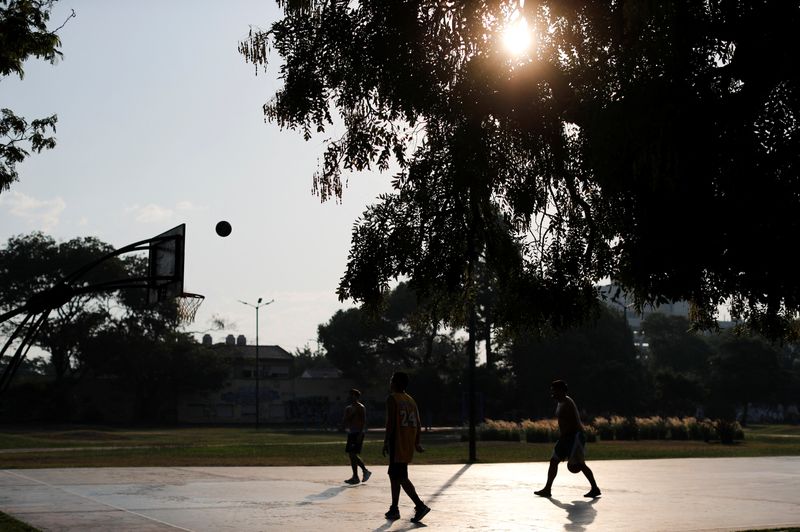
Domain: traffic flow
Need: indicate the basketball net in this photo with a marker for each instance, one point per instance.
(187, 306)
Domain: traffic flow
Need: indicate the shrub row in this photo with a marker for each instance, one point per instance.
(615, 428)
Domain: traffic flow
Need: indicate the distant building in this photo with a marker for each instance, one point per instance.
(316, 397)
(321, 373)
(618, 299)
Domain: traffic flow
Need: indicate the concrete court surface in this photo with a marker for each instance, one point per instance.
(651, 495)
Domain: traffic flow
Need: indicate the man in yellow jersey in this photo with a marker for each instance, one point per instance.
(402, 439)
(355, 423)
(571, 441)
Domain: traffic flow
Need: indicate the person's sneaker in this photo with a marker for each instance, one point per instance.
(419, 513)
(392, 514)
(543, 493)
(352, 480)
(593, 493)
(367, 474)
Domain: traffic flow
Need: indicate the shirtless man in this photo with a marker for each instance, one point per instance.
(570, 439)
(355, 423)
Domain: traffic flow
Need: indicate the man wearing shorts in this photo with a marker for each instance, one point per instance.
(571, 440)
(355, 423)
(402, 439)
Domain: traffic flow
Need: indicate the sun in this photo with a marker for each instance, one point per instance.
(517, 36)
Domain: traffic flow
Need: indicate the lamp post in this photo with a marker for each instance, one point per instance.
(257, 306)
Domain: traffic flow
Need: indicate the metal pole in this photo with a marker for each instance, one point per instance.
(257, 306)
(258, 378)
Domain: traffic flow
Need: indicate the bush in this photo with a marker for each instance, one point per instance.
(728, 431)
(591, 433)
(615, 428)
(738, 433)
(603, 428)
(498, 430)
(624, 428)
(708, 430)
(651, 428)
(694, 428)
(543, 430)
(678, 429)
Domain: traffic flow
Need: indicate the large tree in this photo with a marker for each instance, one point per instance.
(652, 142)
(368, 344)
(33, 263)
(150, 373)
(24, 34)
(597, 359)
(744, 370)
(674, 346)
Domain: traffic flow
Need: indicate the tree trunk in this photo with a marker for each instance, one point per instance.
(472, 261)
(471, 379)
(60, 361)
(487, 339)
(429, 342)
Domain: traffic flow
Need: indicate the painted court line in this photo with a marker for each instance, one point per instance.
(61, 488)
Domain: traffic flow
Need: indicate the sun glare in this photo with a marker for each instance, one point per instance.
(517, 36)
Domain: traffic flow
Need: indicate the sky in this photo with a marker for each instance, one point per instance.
(160, 123)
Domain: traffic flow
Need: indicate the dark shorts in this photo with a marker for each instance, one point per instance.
(354, 442)
(397, 470)
(563, 447)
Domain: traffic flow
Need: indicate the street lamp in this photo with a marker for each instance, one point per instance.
(257, 306)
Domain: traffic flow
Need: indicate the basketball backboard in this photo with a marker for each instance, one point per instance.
(165, 264)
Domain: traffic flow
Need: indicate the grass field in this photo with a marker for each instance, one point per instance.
(9, 524)
(71, 446)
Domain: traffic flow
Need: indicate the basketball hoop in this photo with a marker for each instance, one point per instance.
(187, 306)
(163, 281)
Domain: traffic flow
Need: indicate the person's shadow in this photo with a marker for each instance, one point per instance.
(327, 494)
(580, 513)
(449, 482)
(402, 527)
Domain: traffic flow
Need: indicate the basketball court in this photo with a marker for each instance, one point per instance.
(674, 495)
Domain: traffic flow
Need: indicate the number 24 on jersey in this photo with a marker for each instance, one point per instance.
(408, 419)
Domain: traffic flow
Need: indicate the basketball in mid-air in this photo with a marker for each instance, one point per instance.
(223, 228)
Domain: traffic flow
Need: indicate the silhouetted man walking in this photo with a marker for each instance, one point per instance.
(402, 439)
(571, 441)
(355, 423)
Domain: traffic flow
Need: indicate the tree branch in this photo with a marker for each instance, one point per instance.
(71, 15)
